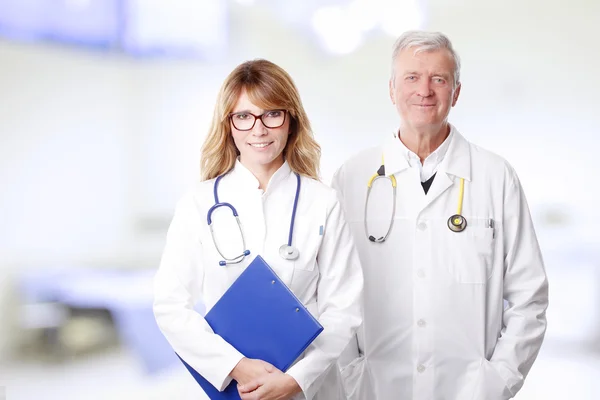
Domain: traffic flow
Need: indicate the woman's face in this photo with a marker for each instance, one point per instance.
(261, 146)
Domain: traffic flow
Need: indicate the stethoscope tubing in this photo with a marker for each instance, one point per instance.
(287, 251)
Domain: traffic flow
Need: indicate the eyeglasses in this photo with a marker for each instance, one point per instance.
(244, 121)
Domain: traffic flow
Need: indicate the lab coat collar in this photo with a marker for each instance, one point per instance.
(395, 155)
(457, 161)
(279, 176)
(243, 176)
(436, 156)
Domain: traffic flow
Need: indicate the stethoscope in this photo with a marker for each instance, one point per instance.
(286, 251)
(456, 222)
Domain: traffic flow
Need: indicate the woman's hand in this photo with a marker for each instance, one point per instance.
(274, 386)
(250, 369)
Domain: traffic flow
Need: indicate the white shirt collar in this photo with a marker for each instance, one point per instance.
(433, 160)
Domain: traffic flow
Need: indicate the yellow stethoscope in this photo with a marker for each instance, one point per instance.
(456, 223)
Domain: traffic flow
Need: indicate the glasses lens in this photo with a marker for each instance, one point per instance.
(273, 119)
(270, 119)
(242, 121)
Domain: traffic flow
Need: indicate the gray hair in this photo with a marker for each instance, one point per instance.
(426, 41)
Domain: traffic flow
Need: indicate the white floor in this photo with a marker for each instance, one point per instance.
(559, 373)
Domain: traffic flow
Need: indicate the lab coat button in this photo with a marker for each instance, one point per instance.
(421, 368)
(421, 273)
(422, 226)
(421, 323)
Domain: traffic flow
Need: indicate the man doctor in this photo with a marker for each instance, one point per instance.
(455, 287)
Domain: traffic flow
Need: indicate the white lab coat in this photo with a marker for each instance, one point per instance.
(435, 326)
(326, 277)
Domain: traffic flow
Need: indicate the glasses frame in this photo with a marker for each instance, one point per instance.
(258, 117)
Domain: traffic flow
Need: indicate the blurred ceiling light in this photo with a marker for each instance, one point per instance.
(245, 2)
(338, 31)
(343, 28)
(400, 16)
(155, 25)
(362, 14)
(178, 28)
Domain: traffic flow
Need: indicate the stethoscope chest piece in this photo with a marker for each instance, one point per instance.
(288, 252)
(457, 223)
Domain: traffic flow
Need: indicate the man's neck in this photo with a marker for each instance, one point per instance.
(423, 142)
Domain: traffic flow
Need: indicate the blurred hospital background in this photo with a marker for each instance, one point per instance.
(104, 105)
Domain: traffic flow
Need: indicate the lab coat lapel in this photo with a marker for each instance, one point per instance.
(440, 184)
(456, 165)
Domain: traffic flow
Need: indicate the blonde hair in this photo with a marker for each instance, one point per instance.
(269, 87)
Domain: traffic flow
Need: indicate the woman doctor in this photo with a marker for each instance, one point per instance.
(259, 157)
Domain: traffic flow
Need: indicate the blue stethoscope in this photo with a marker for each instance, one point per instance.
(286, 251)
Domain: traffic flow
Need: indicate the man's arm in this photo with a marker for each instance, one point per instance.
(526, 292)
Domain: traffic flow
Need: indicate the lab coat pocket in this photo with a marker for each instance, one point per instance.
(356, 378)
(470, 252)
(490, 385)
(307, 238)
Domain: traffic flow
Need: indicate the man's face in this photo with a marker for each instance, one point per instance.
(422, 88)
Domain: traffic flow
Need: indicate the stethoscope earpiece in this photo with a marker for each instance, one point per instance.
(377, 240)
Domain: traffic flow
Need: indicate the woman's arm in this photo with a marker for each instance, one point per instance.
(177, 288)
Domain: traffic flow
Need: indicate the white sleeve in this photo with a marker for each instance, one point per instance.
(339, 297)
(354, 348)
(177, 288)
(525, 290)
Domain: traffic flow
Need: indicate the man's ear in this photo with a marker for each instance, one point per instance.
(456, 94)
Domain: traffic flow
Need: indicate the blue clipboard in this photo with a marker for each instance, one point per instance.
(261, 317)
